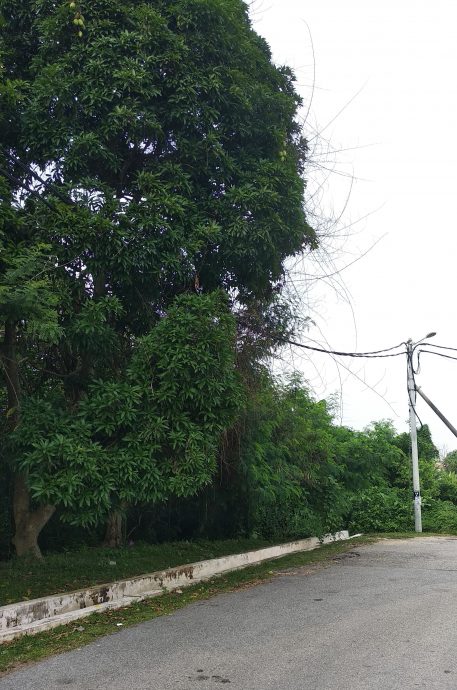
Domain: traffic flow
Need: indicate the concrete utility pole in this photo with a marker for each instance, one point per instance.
(410, 346)
(413, 432)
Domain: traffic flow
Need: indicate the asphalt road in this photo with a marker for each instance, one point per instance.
(382, 616)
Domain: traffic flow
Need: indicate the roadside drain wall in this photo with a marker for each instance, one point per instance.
(29, 617)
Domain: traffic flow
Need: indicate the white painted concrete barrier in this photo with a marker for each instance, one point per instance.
(36, 615)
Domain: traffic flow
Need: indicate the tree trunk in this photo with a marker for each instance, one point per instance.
(114, 534)
(28, 523)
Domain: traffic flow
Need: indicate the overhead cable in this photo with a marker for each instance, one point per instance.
(373, 354)
(440, 354)
(441, 347)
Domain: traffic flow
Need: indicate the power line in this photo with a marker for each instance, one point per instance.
(440, 347)
(359, 378)
(373, 354)
(441, 354)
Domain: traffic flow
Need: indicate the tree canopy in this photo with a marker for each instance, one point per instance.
(150, 162)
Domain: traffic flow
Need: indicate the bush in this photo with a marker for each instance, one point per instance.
(440, 516)
(380, 510)
(291, 519)
(447, 484)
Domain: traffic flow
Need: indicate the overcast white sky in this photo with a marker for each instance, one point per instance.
(402, 58)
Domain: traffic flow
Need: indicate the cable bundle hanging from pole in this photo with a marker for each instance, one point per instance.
(374, 354)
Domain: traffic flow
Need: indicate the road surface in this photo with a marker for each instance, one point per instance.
(382, 616)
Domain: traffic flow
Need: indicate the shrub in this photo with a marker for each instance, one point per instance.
(380, 510)
(440, 516)
(447, 484)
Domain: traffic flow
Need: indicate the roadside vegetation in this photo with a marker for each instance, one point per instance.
(152, 192)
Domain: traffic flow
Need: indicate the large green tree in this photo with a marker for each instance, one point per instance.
(148, 150)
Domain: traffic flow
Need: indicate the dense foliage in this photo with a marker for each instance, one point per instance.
(286, 470)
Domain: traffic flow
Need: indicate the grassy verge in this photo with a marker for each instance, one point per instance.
(64, 572)
(21, 580)
(79, 633)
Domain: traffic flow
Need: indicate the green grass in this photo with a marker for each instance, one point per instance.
(84, 631)
(64, 572)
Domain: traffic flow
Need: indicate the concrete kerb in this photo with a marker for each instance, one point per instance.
(36, 615)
